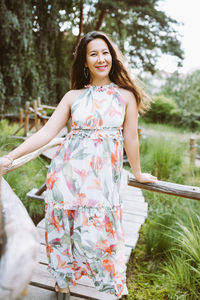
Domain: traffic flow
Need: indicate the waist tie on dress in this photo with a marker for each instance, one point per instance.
(96, 133)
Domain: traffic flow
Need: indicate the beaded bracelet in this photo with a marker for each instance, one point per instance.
(10, 158)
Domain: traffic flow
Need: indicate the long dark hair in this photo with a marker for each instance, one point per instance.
(118, 74)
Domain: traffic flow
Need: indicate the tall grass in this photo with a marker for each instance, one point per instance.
(169, 246)
(183, 265)
(163, 157)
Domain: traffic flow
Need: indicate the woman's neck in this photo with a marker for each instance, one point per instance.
(99, 82)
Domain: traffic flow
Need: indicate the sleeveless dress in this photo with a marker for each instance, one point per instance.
(84, 233)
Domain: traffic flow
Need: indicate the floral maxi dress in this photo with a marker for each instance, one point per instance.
(84, 233)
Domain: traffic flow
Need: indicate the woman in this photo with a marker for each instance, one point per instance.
(84, 234)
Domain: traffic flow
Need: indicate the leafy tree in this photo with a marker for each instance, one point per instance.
(36, 54)
(185, 89)
(142, 31)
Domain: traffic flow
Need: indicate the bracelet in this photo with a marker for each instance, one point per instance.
(10, 158)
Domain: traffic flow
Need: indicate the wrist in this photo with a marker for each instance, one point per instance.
(137, 174)
(10, 159)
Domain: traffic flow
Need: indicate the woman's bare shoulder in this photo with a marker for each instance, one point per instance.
(71, 95)
(127, 95)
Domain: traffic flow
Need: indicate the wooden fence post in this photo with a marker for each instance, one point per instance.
(21, 112)
(35, 115)
(44, 120)
(26, 125)
(193, 150)
(139, 133)
(39, 101)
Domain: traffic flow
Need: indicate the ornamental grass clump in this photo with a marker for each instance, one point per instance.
(163, 157)
(183, 264)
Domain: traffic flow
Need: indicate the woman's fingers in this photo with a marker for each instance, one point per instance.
(146, 177)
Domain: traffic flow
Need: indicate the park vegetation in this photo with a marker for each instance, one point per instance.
(38, 41)
(177, 100)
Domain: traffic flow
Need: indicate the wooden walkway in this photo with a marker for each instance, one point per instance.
(134, 213)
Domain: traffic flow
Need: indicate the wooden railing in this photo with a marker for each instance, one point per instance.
(28, 157)
(185, 191)
(193, 149)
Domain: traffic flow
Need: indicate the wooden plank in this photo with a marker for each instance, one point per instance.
(28, 157)
(50, 153)
(32, 195)
(36, 293)
(22, 244)
(185, 191)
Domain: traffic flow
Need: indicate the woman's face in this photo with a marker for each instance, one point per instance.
(98, 59)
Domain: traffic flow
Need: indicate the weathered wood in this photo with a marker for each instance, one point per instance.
(139, 133)
(47, 106)
(185, 191)
(26, 126)
(193, 149)
(37, 115)
(41, 189)
(36, 293)
(22, 245)
(32, 194)
(44, 117)
(21, 115)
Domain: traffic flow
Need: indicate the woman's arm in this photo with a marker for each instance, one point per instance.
(56, 122)
(131, 142)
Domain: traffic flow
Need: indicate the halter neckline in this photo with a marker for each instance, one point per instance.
(100, 86)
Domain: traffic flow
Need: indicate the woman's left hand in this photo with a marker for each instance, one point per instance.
(145, 178)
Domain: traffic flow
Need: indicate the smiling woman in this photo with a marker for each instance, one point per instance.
(83, 212)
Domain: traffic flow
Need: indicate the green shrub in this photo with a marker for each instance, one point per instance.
(162, 109)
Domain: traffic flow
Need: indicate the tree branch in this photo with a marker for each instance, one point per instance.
(80, 22)
(101, 17)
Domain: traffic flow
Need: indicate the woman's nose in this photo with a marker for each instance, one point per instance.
(100, 58)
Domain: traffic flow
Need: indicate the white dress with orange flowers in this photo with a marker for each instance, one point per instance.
(84, 233)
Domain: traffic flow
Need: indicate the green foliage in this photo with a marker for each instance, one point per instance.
(163, 157)
(162, 109)
(185, 90)
(36, 56)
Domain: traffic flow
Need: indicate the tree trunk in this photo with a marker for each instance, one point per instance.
(80, 23)
(101, 17)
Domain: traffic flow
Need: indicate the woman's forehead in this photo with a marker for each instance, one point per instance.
(96, 45)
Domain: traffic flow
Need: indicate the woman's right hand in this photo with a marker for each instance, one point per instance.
(5, 162)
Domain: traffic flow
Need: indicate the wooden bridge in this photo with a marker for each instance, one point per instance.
(135, 211)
